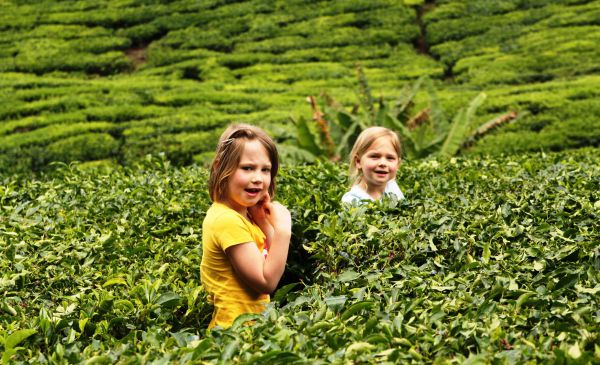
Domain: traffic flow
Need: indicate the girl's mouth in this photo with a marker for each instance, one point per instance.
(253, 191)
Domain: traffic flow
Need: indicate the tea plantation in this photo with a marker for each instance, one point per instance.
(114, 80)
(486, 261)
(494, 257)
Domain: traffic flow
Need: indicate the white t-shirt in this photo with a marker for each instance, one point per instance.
(357, 194)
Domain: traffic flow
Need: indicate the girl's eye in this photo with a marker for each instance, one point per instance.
(246, 168)
(266, 169)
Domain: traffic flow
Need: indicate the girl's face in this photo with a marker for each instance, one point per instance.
(250, 181)
(379, 163)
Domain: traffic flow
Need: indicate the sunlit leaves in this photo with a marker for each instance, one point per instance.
(492, 260)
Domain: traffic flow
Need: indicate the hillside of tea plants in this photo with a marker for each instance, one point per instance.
(491, 260)
(115, 80)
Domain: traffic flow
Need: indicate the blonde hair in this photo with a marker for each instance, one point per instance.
(228, 155)
(365, 139)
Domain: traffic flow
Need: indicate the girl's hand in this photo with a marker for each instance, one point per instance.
(259, 211)
(279, 217)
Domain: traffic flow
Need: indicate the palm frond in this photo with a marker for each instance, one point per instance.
(306, 139)
(460, 127)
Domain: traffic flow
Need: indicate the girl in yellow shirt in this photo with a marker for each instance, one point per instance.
(245, 235)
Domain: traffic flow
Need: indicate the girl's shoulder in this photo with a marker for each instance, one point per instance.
(393, 188)
(356, 193)
(219, 211)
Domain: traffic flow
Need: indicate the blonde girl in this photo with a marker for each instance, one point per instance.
(374, 161)
(245, 235)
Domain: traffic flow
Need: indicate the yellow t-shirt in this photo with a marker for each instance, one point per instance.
(223, 227)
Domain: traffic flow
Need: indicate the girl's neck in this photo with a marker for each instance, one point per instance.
(374, 191)
(243, 211)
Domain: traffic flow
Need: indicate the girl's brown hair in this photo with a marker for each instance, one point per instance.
(363, 142)
(228, 155)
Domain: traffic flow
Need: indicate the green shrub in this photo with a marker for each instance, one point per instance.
(158, 55)
(192, 37)
(45, 55)
(471, 25)
(234, 61)
(107, 17)
(295, 72)
(272, 45)
(83, 147)
(178, 148)
(123, 113)
(74, 31)
(51, 133)
(33, 122)
(99, 44)
(60, 104)
(482, 255)
(141, 34)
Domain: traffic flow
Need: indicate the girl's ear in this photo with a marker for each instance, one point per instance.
(357, 162)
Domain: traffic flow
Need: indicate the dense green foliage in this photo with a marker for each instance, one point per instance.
(493, 260)
(143, 76)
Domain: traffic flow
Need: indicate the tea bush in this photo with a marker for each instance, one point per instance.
(490, 260)
(83, 147)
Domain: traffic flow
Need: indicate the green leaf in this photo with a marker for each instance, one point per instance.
(523, 298)
(8, 352)
(358, 347)
(168, 299)
(355, 308)
(8, 309)
(82, 323)
(281, 293)
(201, 348)
(567, 281)
(99, 360)
(276, 357)
(306, 139)
(460, 127)
(242, 319)
(574, 351)
(17, 337)
(348, 138)
(486, 253)
(538, 265)
(439, 121)
(335, 302)
(229, 350)
(348, 275)
(124, 304)
(114, 281)
(345, 120)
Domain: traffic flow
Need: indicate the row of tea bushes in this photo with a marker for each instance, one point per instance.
(556, 115)
(137, 65)
(133, 118)
(510, 43)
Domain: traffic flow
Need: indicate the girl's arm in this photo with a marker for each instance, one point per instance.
(260, 273)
